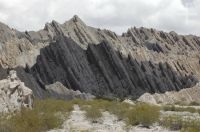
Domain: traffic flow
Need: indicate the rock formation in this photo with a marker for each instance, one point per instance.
(14, 94)
(183, 97)
(59, 91)
(101, 62)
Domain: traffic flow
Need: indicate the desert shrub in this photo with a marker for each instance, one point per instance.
(147, 114)
(92, 108)
(53, 105)
(93, 113)
(119, 109)
(79, 102)
(168, 108)
(175, 122)
(34, 121)
(114, 107)
(188, 109)
(171, 122)
(47, 114)
(4, 124)
(181, 103)
(99, 103)
(190, 130)
(138, 114)
(194, 103)
(179, 109)
(131, 117)
(143, 114)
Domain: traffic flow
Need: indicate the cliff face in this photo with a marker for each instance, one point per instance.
(99, 61)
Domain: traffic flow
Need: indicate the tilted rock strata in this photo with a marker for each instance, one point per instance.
(102, 71)
(101, 62)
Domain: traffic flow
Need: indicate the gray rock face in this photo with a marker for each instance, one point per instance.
(101, 70)
(101, 62)
(59, 91)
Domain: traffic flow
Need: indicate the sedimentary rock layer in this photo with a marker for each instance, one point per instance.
(100, 61)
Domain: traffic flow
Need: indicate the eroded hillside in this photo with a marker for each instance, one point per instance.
(100, 61)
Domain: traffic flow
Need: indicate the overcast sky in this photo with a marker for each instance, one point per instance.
(182, 16)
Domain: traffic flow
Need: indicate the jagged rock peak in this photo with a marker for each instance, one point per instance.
(75, 20)
(52, 23)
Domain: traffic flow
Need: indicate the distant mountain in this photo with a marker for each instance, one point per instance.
(99, 61)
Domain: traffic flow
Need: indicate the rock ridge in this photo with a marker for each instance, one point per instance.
(99, 61)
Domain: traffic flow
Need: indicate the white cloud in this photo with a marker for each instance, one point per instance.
(116, 15)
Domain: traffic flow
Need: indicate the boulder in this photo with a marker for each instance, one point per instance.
(59, 91)
(14, 94)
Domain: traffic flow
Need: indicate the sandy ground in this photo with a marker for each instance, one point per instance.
(77, 122)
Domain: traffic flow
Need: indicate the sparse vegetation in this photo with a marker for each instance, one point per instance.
(93, 113)
(34, 121)
(147, 114)
(50, 113)
(140, 113)
(143, 114)
(180, 109)
(44, 116)
(175, 122)
(171, 122)
(194, 103)
(4, 126)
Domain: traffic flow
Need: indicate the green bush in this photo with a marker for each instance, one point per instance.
(53, 105)
(34, 121)
(147, 114)
(143, 114)
(131, 117)
(47, 114)
(119, 109)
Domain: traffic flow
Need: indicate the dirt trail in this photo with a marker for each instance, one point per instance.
(77, 122)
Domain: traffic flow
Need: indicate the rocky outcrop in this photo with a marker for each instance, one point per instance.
(14, 94)
(102, 71)
(59, 91)
(101, 62)
(184, 96)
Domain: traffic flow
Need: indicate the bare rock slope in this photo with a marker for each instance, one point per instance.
(101, 62)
